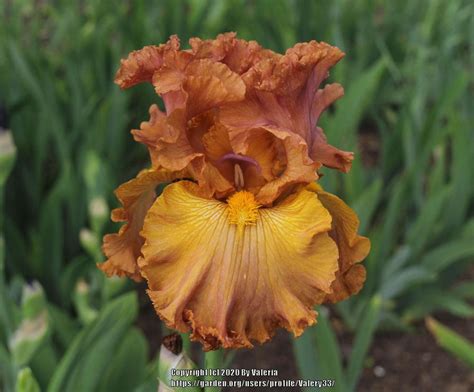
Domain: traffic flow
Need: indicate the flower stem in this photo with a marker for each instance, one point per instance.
(213, 360)
(229, 357)
(186, 343)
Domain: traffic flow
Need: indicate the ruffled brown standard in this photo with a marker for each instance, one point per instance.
(247, 91)
(239, 55)
(283, 92)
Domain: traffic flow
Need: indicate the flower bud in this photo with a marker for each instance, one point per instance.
(173, 358)
(33, 300)
(34, 326)
(26, 382)
(86, 313)
(28, 337)
(7, 154)
(98, 213)
(90, 243)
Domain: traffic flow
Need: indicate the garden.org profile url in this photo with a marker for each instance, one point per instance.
(252, 383)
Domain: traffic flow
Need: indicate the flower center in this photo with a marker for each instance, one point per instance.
(240, 162)
(238, 177)
(241, 159)
(242, 209)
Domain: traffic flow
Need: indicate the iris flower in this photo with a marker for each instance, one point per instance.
(242, 240)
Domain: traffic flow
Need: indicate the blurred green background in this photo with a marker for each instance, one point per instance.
(408, 113)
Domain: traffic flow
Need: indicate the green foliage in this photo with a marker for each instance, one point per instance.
(407, 112)
(316, 343)
(128, 367)
(452, 341)
(88, 357)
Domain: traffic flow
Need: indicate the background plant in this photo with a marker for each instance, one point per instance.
(407, 113)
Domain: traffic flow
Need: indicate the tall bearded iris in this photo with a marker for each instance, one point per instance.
(243, 240)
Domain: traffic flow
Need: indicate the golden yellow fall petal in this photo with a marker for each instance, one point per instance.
(233, 281)
(353, 248)
(136, 196)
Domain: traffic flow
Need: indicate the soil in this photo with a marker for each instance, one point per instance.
(397, 361)
(414, 362)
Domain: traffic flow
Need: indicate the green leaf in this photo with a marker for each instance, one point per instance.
(64, 327)
(429, 300)
(363, 340)
(420, 232)
(7, 306)
(395, 263)
(464, 290)
(451, 341)
(7, 370)
(366, 204)
(445, 255)
(468, 229)
(89, 354)
(44, 363)
(359, 94)
(404, 280)
(328, 350)
(212, 360)
(25, 74)
(128, 365)
(462, 192)
(318, 355)
(386, 236)
(304, 348)
(342, 129)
